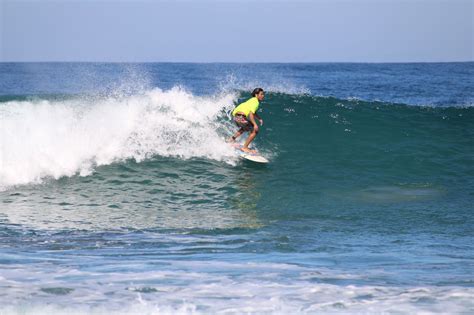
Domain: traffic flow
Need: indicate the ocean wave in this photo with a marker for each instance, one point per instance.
(54, 138)
(64, 136)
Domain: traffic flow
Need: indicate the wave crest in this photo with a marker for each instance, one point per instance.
(45, 138)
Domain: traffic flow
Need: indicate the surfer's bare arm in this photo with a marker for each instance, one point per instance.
(259, 119)
(252, 120)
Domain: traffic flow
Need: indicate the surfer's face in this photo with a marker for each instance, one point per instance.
(261, 96)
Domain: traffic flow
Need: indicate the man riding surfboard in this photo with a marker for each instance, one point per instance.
(244, 117)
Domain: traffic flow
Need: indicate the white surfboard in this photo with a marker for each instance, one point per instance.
(254, 157)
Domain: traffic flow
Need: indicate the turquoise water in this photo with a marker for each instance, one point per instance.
(119, 193)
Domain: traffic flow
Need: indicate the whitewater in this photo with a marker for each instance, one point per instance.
(43, 138)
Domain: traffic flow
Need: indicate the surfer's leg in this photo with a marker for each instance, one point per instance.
(252, 136)
(236, 135)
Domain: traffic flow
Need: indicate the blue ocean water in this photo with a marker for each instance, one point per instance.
(118, 193)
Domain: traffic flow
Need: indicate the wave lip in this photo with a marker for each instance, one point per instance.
(43, 138)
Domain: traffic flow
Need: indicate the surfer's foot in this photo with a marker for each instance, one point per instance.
(247, 150)
(230, 140)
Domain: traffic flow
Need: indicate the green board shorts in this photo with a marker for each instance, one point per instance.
(242, 122)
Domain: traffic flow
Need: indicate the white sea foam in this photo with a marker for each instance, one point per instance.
(44, 138)
(278, 85)
(214, 287)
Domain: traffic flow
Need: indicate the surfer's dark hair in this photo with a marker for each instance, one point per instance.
(256, 91)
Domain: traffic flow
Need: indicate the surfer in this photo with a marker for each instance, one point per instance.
(244, 117)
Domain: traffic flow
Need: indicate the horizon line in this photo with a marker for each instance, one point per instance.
(239, 62)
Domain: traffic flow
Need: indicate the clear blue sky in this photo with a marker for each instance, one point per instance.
(237, 31)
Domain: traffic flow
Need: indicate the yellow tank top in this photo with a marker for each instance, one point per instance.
(246, 107)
